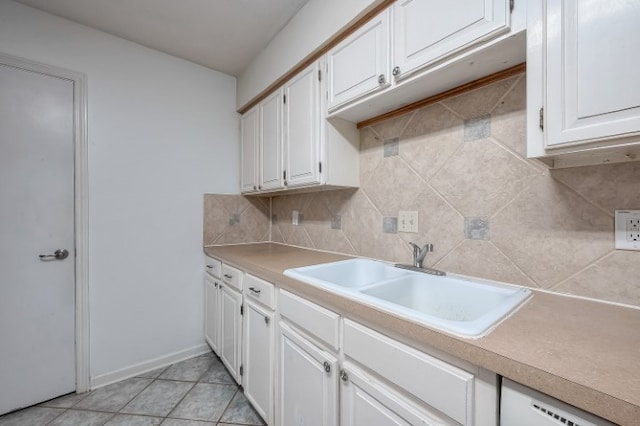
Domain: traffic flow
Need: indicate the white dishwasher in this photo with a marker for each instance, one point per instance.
(522, 406)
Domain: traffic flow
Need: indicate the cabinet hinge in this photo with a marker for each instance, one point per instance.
(320, 167)
(541, 118)
(241, 309)
(319, 75)
(241, 370)
(511, 5)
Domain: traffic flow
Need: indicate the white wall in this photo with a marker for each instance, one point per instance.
(308, 30)
(162, 131)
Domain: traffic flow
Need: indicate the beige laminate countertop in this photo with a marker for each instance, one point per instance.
(583, 352)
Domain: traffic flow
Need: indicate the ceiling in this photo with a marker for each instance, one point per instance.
(224, 35)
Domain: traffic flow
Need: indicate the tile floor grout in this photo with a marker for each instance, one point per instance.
(234, 408)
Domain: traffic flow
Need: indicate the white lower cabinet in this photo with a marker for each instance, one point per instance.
(259, 346)
(303, 364)
(212, 312)
(365, 401)
(231, 330)
(307, 381)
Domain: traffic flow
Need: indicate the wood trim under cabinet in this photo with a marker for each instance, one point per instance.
(467, 87)
(314, 56)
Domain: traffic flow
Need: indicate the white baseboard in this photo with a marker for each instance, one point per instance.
(144, 367)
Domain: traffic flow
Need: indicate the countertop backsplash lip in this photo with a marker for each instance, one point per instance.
(543, 345)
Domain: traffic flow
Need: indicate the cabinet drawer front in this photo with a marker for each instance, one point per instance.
(232, 276)
(441, 385)
(318, 321)
(260, 290)
(213, 267)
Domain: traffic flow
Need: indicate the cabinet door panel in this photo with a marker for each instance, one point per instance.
(356, 64)
(307, 392)
(592, 73)
(212, 314)
(270, 111)
(429, 30)
(249, 150)
(230, 330)
(302, 128)
(259, 342)
(365, 401)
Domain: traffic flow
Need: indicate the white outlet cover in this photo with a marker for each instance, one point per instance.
(408, 221)
(626, 233)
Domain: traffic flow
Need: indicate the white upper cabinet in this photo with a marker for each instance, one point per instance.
(361, 63)
(429, 30)
(249, 139)
(583, 95)
(419, 48)
(270, 112)
(298, 146)
(302, 128)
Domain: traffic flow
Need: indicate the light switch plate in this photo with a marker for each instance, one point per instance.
(627, 229)
(408, 221)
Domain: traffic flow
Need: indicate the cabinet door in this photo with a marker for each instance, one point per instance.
(593, 91)
(230, 330)
(307, 381)
(270, 111)
(212, 313)
(302, 128)
(259, 344)
(365, 401)
(359, 64)
(426, 31)
(249, 150)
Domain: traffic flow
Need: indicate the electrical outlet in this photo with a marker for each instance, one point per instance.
(408, 221)
(627, 229)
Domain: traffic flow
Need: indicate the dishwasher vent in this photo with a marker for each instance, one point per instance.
(555, 416)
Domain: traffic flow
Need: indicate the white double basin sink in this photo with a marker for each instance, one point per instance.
(457, 305)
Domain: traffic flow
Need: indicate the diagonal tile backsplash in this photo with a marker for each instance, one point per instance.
(488, 210)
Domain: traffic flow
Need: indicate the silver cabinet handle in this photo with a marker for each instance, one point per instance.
(254, 290)
(59, 254)
(344, 376)
(396, 71)
(381, 79)
(327, 367)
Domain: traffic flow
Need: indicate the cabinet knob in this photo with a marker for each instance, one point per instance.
(396, 71)
(260, 187)
(344, 376)
(381, 79)
(327, 367)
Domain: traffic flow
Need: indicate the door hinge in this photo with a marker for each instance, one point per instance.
(511, 5)
(241, 370)
(319, 75)
(320, 167)
(241, 309)
(541, 118)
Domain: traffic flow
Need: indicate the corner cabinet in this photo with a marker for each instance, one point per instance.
(296, 146)
(583, 91)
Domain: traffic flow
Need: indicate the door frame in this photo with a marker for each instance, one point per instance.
(81, 206)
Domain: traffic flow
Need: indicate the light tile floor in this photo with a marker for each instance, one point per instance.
(195, 392)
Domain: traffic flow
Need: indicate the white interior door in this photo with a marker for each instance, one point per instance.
(37, 319)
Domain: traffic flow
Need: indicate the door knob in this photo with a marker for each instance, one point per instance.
(59, 254)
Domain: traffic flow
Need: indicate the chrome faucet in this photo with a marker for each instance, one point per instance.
(420, 253)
